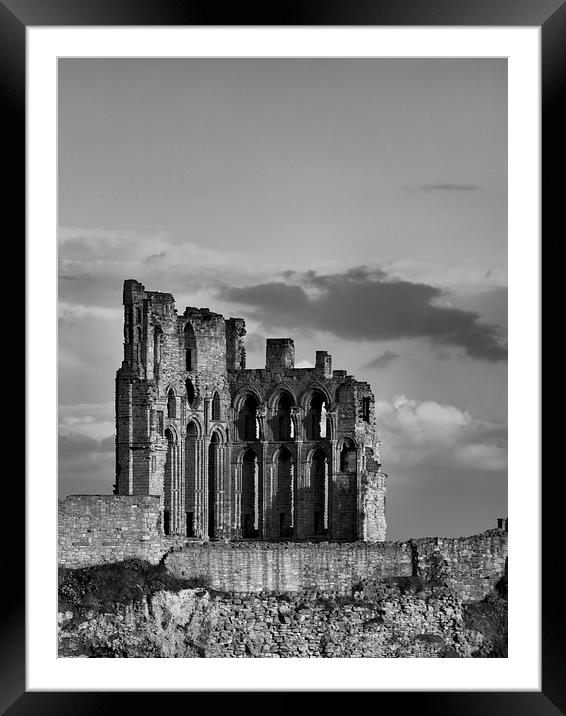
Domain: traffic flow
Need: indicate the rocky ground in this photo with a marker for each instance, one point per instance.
(134, 609)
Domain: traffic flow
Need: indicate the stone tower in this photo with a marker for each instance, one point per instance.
(236, 453)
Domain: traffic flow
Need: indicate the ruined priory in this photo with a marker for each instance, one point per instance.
(236, 453)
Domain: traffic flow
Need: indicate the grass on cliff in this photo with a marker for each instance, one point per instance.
(489, 617)
(104, 587)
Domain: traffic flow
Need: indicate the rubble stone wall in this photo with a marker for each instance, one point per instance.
(396, 625)
(471, 566)
(379, 621)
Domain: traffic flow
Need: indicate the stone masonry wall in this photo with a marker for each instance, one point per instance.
(96, 529)
(290, 566)
(471, 566)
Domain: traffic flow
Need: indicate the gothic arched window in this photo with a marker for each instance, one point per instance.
(171, 404)
(283, 424)
(216, 406)
(247, 422)
(348, 457)
(157, 338)
(315, 418)
(190, 348)
(190, 388)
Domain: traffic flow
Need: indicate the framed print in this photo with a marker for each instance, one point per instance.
(361, 182)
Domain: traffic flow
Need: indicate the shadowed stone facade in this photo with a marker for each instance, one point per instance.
(233, 453)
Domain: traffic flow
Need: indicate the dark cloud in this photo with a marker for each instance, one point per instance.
(445, 187)
(365, 304)
(155, 257)
(491, 304)
(383, 360)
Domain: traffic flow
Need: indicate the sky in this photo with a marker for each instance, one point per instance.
(358, 206)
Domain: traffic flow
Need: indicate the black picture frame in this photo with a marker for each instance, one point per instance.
(15, 17)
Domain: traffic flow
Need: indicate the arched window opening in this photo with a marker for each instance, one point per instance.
(138, 315)
(348, 457)
(283, 424)
(216, 406)
(190, 348)
(213, 479)
(190, 389)
(250, 492)
(190, 477)
(285, 493)
(315, 419)
(168, 482)
(319, 487)
(247, 419)
(157, 339)
(324, 427)
(171, 404)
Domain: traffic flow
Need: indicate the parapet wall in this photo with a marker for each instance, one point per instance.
(97, 529)
(290, 567)
(471, 566)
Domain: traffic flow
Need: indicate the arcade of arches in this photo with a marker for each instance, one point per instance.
(251, 487)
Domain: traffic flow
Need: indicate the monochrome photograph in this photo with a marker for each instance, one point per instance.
(282, 357)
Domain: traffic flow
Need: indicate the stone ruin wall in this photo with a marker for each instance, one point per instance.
(183, 399)
(97, 529)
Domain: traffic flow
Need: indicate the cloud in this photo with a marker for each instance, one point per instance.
(463, 279)
(484, 457)
(94, 262)
(85, 465)
(86, 447)
(368, 304)
(89, 421)
(77, 445)
(72, 313)
(447, 187)
(428, 433)
(383, 360)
